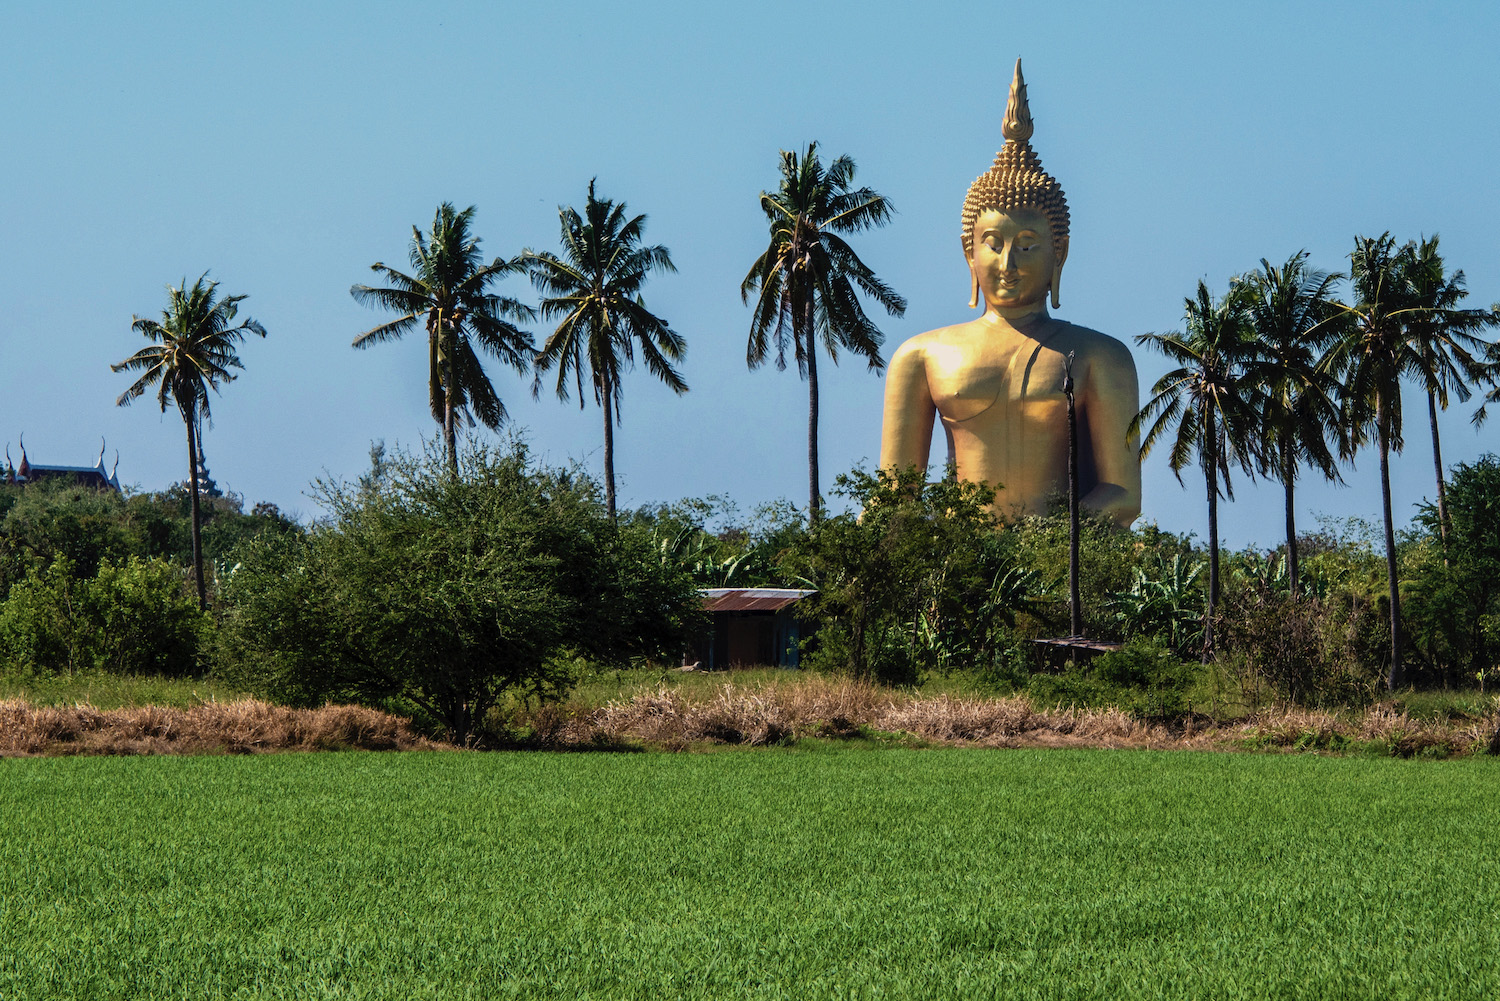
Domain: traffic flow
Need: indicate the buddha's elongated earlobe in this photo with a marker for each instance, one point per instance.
(1062, 258)
(973, 287)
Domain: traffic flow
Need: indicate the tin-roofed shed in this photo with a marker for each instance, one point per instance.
(751, 625)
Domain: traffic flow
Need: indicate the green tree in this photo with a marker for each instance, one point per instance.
(1207, 406)
(54, 517)
(594, 290)
(193, 350)
(1454, 604)
(916, 580)
(448, 291)
(1292, 311)
(1450, 354)
(1370, 358)
(805, 280)
(131, 617)
(447, 592)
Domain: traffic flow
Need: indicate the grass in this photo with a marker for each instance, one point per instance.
(815, 872)
(114, 691)
(597, 687)
(1444, 705)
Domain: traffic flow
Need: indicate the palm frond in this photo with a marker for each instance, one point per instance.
(448, 292)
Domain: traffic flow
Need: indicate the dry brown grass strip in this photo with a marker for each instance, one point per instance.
(777, 712)
(784, 711)
(227, 727)
(1383, 724)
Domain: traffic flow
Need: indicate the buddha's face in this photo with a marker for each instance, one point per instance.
(1013, 260)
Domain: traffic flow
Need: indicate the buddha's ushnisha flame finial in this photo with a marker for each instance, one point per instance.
(1017, 126)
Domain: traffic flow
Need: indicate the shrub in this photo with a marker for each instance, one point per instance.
(1451, 585)
(445, 591)
(1165, 602)
(132, 617)
(55, 518)
(916, 580)
(1302, 650)
(1143, 678)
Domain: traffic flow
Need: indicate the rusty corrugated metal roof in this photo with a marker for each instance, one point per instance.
(750, 599)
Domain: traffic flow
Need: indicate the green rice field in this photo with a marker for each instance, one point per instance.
(817, 872)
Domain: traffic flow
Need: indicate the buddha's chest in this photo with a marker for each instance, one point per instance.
(1015, 381)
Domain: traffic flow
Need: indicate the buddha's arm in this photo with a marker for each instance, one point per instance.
(906, 434)
(1110, 401)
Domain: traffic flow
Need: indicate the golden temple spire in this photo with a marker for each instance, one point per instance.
(1017, 126)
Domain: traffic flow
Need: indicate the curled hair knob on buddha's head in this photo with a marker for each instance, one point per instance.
(1016, 181)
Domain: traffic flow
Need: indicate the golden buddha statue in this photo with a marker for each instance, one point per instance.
(996, 382)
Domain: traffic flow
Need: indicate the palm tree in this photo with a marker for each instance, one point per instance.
(1209, 405)
(1450, 354)
(1292, 312)
(595, 290)
(448, 287)
(1370, 357)
(805, 280)
(192, 351)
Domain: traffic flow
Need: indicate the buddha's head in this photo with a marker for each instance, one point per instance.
(1015, 221)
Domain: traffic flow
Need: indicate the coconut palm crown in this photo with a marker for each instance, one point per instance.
(448, 292)
(593, 289)
(192, 351)
(1294, 315)
(1451, 353)
(804, 283)
(1207, 407)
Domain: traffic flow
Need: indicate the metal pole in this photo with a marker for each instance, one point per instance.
(1075, 607)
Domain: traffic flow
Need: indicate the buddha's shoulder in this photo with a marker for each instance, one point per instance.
(1090, 343)
(1062, 335)
(957, 334)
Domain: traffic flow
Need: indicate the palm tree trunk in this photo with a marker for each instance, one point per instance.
(1289, 477)
(1394, 677)
(192, 439)
(445, 370)
(609, 453)
(1437, 464)
(450, 440)
(1211, 477)
(814, 502)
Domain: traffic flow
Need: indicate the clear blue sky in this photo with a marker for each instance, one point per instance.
(286, 147)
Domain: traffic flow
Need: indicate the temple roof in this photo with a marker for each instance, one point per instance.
(97, 476)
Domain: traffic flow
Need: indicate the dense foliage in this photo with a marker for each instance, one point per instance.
(53, 518)
(131, 617)
(93, 580)
(441, 596)
(445, 592)
(1453, 599)
(912, 578)
(916, 579)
